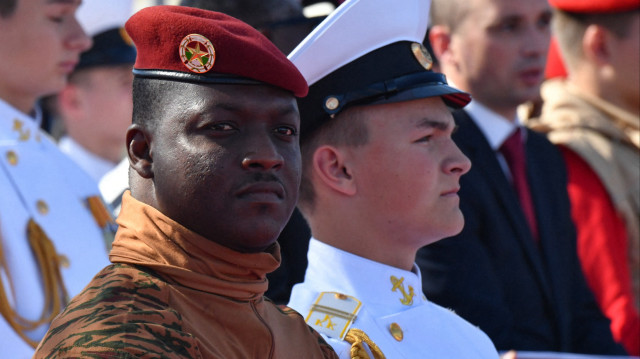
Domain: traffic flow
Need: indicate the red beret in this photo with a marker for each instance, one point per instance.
(595, 6)
(555, 64)
(195, 45)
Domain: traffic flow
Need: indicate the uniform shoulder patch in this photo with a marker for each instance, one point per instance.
(333, 313)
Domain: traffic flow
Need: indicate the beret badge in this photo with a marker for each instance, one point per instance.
(422, 55)
(197, 53)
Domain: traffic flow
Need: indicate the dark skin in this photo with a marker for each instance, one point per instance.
(224, 161)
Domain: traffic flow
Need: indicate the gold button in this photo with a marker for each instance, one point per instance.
(396, 332)
(341, 296)
(332, 103)
(12, 158)
(43, 207)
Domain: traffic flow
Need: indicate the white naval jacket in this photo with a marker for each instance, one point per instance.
(39, 182)
(390, 298)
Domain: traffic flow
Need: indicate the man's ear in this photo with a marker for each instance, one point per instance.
(330, 168)
(139, 150)
(440, 38)
(70, 101)
(595, 45)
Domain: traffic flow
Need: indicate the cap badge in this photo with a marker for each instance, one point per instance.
(422, 55)
(197, 53)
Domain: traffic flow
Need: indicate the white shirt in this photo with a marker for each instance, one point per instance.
(113, 184)
(94, 165)
(39, 182)
(429, 331)
(496, 129)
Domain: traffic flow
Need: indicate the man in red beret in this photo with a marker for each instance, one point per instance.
(214, 174)
(594, 115)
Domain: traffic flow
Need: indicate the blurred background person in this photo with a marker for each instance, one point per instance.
(95, 106)
(54, 228)
(594, 116)
(513, 270)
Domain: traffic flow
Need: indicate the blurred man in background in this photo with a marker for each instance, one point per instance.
(513, 270)
(95, 106)
(594, 115)
(54, 228)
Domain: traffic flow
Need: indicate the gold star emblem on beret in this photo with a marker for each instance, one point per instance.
(197, 53)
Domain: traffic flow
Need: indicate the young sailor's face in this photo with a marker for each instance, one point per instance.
(409, 171)
(40, 44)
(226, 163)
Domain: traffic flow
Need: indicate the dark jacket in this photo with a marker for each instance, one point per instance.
(525, 296)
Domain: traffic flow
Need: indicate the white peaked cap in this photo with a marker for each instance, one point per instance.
(356, 28)
(97, 16)
(368, 52)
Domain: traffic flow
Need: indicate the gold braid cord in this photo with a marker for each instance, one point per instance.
(55, 292)
(357, 338)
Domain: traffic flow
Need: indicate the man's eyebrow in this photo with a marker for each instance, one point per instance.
(233, 107)
(430, 123)
(70, 2)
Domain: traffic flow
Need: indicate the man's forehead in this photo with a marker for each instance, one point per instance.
(67, 2)
(236, 98)
(518, 8)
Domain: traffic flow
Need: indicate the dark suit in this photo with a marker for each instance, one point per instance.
(494, 275)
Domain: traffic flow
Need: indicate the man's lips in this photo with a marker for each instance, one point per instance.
(531, 76)
(451, 192)
(262, 192)
(68, 66)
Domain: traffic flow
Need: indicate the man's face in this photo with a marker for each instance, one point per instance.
(40, 44)
(408, 174)
(625, 56)
(500, 50)
(105, 102)
(226, 162)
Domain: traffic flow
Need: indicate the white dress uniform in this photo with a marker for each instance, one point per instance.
(392, 311)
(38, 183)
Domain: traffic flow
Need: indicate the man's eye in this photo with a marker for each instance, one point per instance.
(286, 131)
(509, 26)
(221, 127)
(56, 19)
(424, 139)
(544, 21)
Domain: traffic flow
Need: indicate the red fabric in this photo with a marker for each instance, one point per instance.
(241, 50)
(595, 6)
(513, 151)
(602, 248)
(555, 64)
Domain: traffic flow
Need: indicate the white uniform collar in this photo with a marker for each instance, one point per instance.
(18, 126)
(332, 269)
(495, 127)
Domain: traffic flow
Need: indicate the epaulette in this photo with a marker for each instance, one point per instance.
(333, 313)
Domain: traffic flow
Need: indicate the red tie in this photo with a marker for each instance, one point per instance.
(513, 151)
